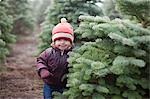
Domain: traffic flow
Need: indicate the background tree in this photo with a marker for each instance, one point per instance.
(41, 11)
(109, 9)
(22, 17)
(139, 10)
(6, 37)
(70, 9)
(39, 7)
(35, 6)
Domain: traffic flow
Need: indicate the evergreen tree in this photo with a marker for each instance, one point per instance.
(139, 9)
(20, 10)
(113, 64)
(70, 9)
(35, 6)
(6, 37)
(40, 11)
(109, 9)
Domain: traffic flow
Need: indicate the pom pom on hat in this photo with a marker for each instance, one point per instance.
(63, 30)
(63, 20)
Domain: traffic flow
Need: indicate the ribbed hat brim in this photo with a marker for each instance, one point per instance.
(62, 35)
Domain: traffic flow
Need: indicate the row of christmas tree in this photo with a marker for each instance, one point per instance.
(14, 20)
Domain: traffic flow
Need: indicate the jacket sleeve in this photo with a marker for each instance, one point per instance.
(42, 60)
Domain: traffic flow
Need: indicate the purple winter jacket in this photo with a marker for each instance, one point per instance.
(52, 60)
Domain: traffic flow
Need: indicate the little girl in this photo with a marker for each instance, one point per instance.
(52, 63)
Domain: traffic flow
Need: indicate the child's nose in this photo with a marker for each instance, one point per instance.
(62, 41)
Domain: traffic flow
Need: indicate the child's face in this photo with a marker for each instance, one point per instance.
(62, 44)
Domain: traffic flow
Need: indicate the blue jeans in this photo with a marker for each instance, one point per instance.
(48, 89)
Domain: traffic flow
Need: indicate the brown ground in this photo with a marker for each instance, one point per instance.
(20, 80)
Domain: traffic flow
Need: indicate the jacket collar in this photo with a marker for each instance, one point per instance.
(65, 51)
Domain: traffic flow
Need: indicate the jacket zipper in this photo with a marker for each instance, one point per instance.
(62, 53)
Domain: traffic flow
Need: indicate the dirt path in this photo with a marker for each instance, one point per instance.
(21, 81)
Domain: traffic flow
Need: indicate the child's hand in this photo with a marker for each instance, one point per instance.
(45, 73)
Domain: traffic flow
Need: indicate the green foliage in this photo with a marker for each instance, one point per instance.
(70, 9)
(22, 17)
(38, 9)
(112, 64)
(140, 9)
(5, 27)
(109, 9)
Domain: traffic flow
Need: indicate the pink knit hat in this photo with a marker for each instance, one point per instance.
(63, 30)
